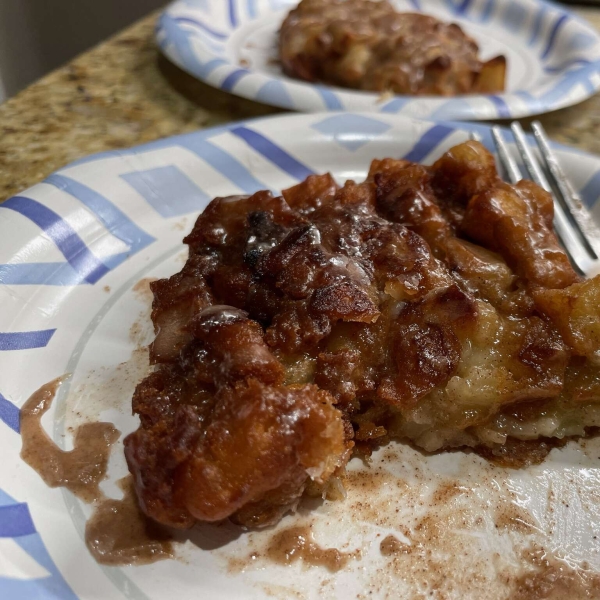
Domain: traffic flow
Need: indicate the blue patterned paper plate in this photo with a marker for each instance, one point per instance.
(74, 251)
(553, 57)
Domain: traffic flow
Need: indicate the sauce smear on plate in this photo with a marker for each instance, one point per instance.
(79, 470)
(117, 533)
(296, 543)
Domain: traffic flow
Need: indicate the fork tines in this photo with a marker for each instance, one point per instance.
(573, 223)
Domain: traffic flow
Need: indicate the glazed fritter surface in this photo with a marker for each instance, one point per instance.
(432, 304)
(366, 44)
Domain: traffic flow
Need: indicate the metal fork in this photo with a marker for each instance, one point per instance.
(573, 223)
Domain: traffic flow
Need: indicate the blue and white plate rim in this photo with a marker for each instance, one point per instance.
(198, 48)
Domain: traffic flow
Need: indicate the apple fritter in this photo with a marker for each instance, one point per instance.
(366, 44)
(431, 304)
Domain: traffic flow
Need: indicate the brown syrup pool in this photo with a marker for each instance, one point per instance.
(297, 543)
(117, 533)
(79, 470)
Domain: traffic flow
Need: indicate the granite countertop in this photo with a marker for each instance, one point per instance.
(123, 93)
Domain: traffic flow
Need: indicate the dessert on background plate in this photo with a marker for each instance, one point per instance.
(435, 59)
(368, 45)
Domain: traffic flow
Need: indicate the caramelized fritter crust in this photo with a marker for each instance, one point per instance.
(428, 303)
(366, 44)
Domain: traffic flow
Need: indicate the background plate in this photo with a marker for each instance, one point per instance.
(553, 57)
(77, 251)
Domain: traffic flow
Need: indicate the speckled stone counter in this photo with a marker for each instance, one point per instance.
(123, 93)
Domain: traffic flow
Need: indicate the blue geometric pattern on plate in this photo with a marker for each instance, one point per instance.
(555, 63)
(16, 523)
(25, 340)
(21, 340)
(10, 414)
(352, 131)
(82, 266)
(168, 190)
(277, 155)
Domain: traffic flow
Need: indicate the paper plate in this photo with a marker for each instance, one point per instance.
(77, 252)
(553, 57)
